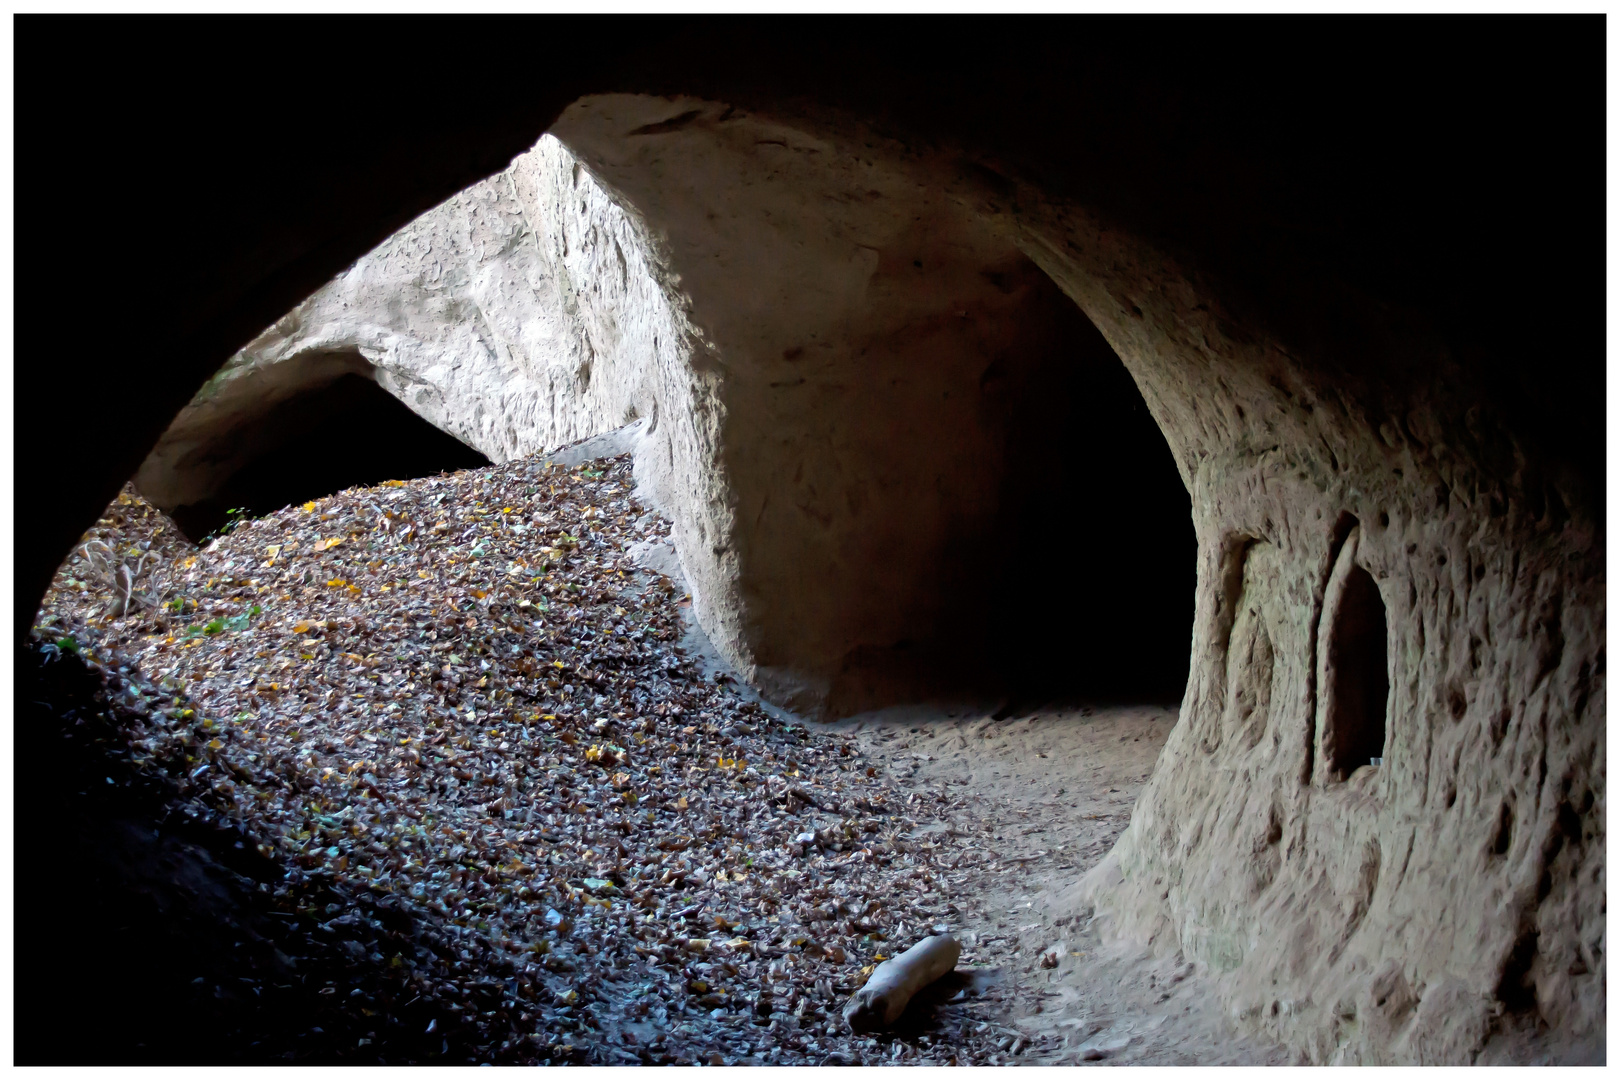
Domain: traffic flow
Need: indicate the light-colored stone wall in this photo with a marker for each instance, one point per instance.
(1394, 915)
(526, 313)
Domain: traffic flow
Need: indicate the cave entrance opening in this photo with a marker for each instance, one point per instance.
(1358, 651)
(323, 438)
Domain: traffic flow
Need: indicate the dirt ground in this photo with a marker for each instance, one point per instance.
(1056, 788)
(1051, 789)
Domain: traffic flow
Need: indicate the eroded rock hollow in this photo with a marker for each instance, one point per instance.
(884, 389)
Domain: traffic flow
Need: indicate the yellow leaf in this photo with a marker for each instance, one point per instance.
(214, 744)
(273, 550)
(337, 581)
(479, 594)
(309, 508)
(302, 628)
(681, 804)
(393, 483)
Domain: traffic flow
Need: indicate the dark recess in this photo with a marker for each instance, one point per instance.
(347, 433)
(1078, 587)
(1360, 657)
(1089, 594)
(153, 931)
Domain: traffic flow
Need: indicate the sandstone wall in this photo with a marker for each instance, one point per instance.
(836, 336)
(523, 314)
(1340, 461)
(890, 371)
(1396, 912)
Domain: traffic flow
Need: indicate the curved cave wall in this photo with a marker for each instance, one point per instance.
(926, 472)
(864, 407)
(1361, 913)
(1344, 467)
(958, 490)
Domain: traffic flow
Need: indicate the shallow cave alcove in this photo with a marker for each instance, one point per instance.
(1359, 653)
(321, 440)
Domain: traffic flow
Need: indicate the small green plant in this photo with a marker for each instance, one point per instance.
(221, 624)
(240, 622)
(234, 516)
(68, 644)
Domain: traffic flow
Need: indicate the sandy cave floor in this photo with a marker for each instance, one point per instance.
(509, 809)
(1052, 790)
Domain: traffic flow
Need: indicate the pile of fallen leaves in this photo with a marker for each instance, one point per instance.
(458, 696)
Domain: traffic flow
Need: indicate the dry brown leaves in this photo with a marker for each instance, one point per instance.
(458, 691)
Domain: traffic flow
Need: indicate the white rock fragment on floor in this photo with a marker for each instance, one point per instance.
(886, 994)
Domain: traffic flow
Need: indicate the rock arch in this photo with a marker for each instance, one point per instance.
(255, 442)
(1355, 884)
(951, 485)
(1391, 919)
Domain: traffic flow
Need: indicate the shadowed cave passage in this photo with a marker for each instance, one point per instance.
(1086, 582)
(323, 439)
(1074, 579)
